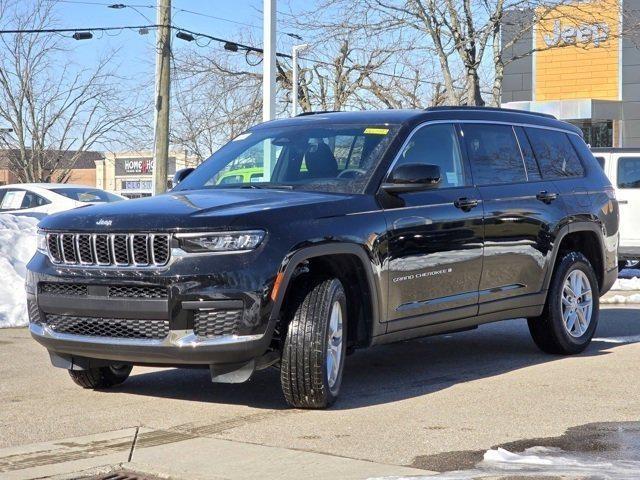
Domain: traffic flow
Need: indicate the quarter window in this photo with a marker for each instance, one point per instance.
(555, 154)
(437, 145)
(600, 162)
(494, 154)
(629, 172)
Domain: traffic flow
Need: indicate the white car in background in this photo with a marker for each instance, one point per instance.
(622, 166)
(41, 199)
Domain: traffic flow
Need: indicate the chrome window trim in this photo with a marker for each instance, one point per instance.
(461, 122)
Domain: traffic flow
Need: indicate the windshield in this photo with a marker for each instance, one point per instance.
(330, 158)
(88, 195)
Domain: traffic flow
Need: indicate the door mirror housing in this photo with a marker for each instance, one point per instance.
(412, 177)
(180, 175)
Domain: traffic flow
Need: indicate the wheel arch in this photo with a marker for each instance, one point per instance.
(586, 238)
(335, 258)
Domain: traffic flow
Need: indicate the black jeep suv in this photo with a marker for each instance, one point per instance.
(306, 238)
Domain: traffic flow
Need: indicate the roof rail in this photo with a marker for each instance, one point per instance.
(317, 112)
(492, 109)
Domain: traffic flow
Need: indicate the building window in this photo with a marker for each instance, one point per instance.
(596, 133)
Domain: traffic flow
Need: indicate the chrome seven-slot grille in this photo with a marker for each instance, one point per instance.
(115, 249)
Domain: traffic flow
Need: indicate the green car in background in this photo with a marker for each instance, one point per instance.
(241, 175)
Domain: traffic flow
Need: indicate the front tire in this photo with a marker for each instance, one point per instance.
(570, 316)
(101, 377)
(315, 346)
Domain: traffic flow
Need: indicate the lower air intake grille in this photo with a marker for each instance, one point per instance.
(108, 327)
(213, 323)
(137, 292)
(76, 289)
(34, 312)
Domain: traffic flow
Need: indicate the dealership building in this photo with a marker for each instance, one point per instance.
(581, 63)
(131, 173)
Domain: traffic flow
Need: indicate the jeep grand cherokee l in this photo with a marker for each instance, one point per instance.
(365, 228)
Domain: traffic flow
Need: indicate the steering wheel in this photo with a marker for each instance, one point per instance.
(351, 173)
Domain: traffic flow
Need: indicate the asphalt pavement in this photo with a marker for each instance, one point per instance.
(433, 404)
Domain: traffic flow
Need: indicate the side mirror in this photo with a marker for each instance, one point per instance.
(412, 177)
(181, 175)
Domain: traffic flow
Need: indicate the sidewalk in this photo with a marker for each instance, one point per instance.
(177, 454)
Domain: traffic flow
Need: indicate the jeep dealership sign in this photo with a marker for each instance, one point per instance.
(594, 33)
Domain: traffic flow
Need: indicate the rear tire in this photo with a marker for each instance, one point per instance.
(101, 377)
(315, 346)
(570, 316)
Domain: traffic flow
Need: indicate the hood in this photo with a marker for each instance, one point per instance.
(197, 210)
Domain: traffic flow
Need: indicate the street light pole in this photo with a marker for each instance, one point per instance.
(294, 80)
(269, 62)
(163, 79)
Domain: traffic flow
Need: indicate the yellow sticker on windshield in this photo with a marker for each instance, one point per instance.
(376, 131)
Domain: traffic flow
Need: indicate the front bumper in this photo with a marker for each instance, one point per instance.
(82, 318)
(180, 347)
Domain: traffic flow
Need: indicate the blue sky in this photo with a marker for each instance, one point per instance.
(136, 56)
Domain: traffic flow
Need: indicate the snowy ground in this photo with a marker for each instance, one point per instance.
(17, 246)
(542, 462)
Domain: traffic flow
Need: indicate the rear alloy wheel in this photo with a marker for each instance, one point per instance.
(570, 316)
(101, 377)
(315, 346)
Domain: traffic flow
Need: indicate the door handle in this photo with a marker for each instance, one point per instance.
(466, 204)
(546, 197)
(623, 202)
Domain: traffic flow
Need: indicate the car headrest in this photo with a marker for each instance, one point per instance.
(320, 161)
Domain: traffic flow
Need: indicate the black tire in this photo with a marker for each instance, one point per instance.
(304, 374)
(548, 330)
(101, 377)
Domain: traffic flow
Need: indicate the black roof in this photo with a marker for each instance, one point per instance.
(414, 116)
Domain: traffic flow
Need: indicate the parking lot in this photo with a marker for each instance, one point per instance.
(435, 404)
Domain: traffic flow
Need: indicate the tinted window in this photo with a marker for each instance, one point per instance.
(600, 162)
(629, 172)
(494, 154)
(555, 154)
(533, 170)
(437, 145)
(32, 200)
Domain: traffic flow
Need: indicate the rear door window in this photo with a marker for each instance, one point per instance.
(555, 154)
(494, 154)
(629, 172)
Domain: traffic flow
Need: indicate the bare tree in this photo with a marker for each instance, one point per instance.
(56, 109)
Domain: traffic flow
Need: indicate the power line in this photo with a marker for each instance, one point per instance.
(226, 42)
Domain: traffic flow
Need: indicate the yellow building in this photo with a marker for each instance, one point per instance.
(581, 63)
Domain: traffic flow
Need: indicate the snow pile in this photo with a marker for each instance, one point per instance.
(633, 298)
(17, 246)
(541, 462)
(632, 283)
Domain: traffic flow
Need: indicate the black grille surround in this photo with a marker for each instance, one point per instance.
(215, 323)
(108, 327)
(109, 249)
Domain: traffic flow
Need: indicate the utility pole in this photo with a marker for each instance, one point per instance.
(163, 81)
(294, 77)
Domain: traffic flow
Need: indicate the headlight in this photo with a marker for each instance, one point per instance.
(41, 245)
(220, 241)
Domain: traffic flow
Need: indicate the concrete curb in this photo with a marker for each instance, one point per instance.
(184, 457)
